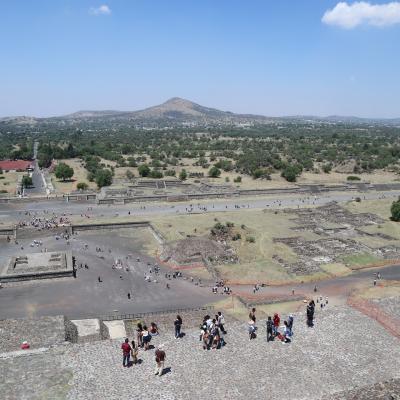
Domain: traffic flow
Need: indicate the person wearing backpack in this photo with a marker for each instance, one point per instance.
(270, 325)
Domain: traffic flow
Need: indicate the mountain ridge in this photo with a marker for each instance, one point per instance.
(178, 110)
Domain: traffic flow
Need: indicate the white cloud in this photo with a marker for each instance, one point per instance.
(101, 10)
(349, 16)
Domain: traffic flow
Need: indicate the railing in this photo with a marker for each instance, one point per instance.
(113, 317)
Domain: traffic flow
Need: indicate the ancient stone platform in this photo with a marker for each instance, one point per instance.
(37, 266)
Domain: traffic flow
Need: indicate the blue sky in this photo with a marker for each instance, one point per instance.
(258, 56)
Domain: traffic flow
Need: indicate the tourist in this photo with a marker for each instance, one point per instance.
(160, 359)
(139, 338)
(221, 322)
(310, 313)
(178, 325)
(286, 332)
(146, 337)
(216, 338)
(126, 352)
(252, 315)
(290, 321)
(276, 322)
(134, 352)
(154, 329)
(270, 325)
(252, 329)
(25, 345)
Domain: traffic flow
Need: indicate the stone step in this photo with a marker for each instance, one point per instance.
(116, 329)
(88, 329)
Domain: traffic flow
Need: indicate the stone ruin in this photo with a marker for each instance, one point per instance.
(337, 227)
(37, 266)
(197, 249)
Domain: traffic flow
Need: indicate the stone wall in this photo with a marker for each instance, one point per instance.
(71, 331)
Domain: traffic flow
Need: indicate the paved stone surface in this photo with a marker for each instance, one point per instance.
(39, 332)
(35, 377)
(388, 390)
(332, 357)
(390, 305)
(345, 351)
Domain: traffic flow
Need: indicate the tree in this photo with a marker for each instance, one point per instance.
(64, 171)
(129, 174)
(327, 168)
(82, 186)
(214, 172)
(395, 211)
(103, 177)
(183, 175)
(156, 174)
(291, 172)
(26, 181)
(144, 170)
(238, 179)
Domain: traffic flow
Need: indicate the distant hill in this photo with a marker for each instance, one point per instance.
(177, 112)
(174, 110)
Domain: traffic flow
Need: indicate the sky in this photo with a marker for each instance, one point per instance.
(269, 57)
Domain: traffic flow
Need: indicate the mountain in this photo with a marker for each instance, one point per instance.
(175, 112)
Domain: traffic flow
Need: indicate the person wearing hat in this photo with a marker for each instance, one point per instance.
(25, 345)
(160, 359)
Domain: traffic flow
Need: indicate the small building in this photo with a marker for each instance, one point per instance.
(16, 166)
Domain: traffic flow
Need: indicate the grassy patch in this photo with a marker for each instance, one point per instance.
(80, 175)
(336, 269)
(359, 260)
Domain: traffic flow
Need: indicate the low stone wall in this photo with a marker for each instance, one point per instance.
(89, 227)
(28, 232)
(71, 331)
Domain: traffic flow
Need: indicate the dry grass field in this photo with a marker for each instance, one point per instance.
(9, 183)
(80, 175)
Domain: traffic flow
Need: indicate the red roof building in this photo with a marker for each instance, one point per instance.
(16, 165)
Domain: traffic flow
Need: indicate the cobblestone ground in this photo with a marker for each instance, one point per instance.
(34, 376)
(390, 305)
(343, 351)
(389, 390)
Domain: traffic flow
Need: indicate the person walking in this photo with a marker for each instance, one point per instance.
(290, 321)
(221, 322)
(139, 336)
(310, 313)
(270, 325)
(160, 360)
(126, 352)
(178, 325)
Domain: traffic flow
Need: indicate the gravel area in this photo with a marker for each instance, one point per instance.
(390, 305)
(39, 332)
(333, 357)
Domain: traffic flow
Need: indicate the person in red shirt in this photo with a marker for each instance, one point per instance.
(25, 345)
(126, 352)
(277, 321)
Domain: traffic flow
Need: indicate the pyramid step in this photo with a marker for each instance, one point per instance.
(116, 329)
(88, 329)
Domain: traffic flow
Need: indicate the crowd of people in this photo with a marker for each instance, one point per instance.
(212, 335)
